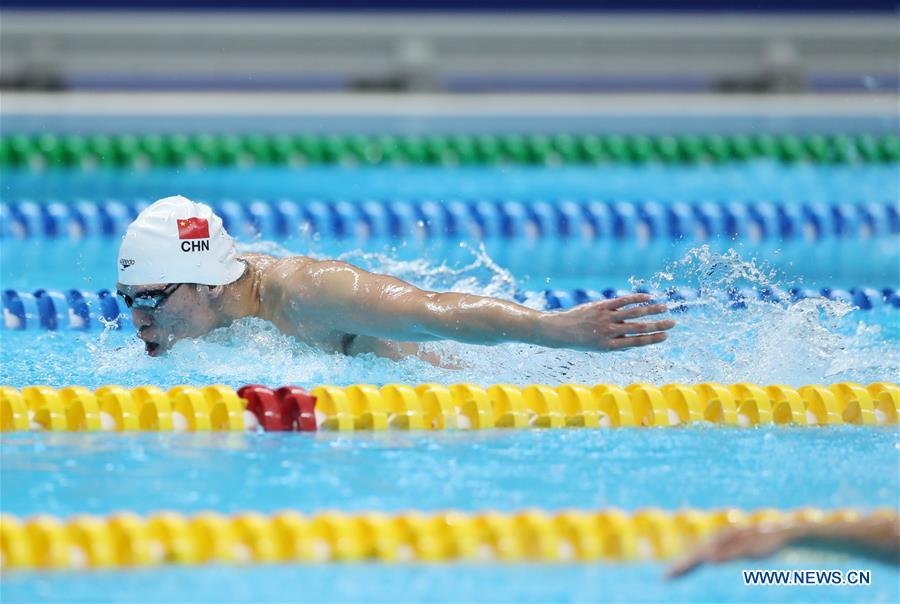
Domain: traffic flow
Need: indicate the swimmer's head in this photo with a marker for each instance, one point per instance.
(175, 240)
(173, 262)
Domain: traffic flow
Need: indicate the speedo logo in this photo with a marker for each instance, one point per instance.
(126, 262)
(194, 234)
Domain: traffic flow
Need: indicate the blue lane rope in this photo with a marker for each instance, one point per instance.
(82, 310)
(74, 309)
(679, 298)
(480, 219)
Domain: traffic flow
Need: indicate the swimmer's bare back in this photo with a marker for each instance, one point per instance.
(342, 308)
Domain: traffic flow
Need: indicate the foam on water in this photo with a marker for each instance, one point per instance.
(814, 340)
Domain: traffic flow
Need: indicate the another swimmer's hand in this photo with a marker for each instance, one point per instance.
(875, 537)
(604, 325)
(756, 541)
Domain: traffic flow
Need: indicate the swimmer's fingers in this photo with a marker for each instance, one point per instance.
(652, 326)
(616, 303)
(713, 550)
(623, 342)
(640, 311)
(687, 564)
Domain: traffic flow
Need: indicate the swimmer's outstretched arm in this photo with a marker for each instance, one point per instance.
(872, 537)
(355, 301)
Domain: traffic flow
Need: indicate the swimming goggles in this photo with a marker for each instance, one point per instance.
(151, 299)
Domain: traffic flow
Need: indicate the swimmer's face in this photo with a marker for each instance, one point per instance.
(182, 311)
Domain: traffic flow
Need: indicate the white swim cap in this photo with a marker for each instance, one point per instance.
(175, 240)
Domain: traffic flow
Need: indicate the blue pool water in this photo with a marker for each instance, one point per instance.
(534, 265)
(813, 341)
(760, 180)
(450, 583)
(630, 469)
(507, 471)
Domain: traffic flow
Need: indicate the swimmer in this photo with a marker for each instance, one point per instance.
(875, 537)
(180, 274)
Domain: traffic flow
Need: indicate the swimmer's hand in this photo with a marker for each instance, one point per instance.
(606, 325)
(874, 537)
(756, 541)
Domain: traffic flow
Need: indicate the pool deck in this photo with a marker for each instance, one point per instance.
(431, 113)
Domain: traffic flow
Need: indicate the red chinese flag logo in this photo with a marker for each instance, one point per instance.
(193, 228)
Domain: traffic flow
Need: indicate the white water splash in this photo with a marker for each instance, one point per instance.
(420, 272)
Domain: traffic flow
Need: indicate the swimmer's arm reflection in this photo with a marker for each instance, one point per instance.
(358, 302)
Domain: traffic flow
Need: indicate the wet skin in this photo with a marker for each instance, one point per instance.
(341, 308)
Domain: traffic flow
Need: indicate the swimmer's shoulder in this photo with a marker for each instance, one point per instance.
(270, 265)
(296, 268)
(278, 274)
(297, 275)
